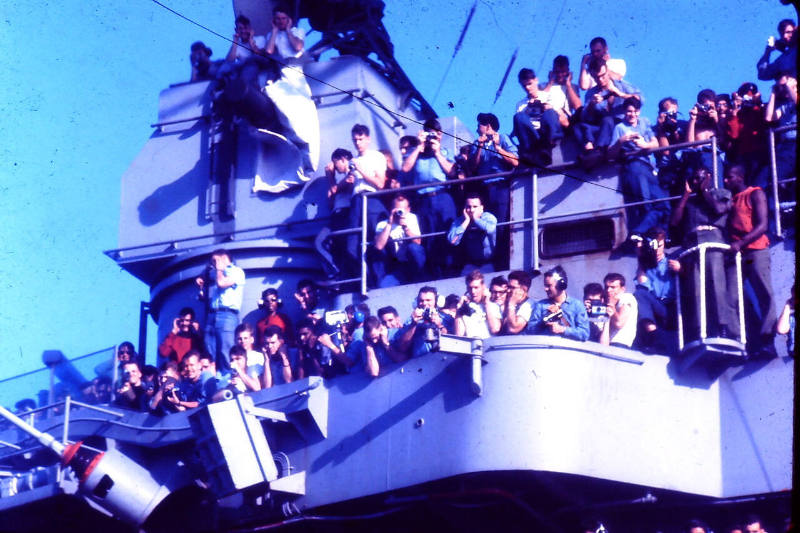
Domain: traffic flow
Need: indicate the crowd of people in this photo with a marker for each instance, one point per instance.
(468, 218)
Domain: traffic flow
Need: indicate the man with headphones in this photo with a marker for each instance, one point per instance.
(559, 314)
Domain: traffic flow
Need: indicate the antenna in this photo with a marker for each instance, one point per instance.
(455, 51)
(505, 76)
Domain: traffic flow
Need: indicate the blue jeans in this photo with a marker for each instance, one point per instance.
(532, 140)
(638, 183)
(219, 337)
(598, 133)
(390, 269)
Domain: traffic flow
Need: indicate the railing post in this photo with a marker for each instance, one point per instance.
(714, 165)
(702, 254)
(773, 167)
(363, 245)
(740, 295)
(679, 309)
(535, 216)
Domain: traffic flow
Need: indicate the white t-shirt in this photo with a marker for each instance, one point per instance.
(397, 231)
(282, 44)
(373, 162)
(557, 97)
(476, 325)
(243, 52)
(614, 65)
(628, 332)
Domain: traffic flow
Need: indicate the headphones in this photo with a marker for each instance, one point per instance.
(559, 276)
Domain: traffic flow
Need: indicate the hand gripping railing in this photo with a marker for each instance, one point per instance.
(701, 250)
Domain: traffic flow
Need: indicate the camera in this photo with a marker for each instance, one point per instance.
(597, 308)
(426, 315)
(430, 135)
(535, 109)
(671, 116)
(748, 101)
(555, 316)
(703, 108)
(467, 309)
(397, 214)
(351, 166)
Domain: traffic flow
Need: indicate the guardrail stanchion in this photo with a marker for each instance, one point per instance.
(773, 167)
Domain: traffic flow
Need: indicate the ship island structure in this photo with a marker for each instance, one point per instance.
(509, 433)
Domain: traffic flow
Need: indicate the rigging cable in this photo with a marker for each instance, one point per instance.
(455, 51)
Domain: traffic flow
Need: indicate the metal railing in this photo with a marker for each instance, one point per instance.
(701, 250)
(773, 167)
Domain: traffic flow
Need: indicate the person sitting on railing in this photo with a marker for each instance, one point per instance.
(637, 181)
(285, 40)
(202, 67)
(369, 176)
(431, 163)
(594, 302)
(787, 45)
(558, 314)
(518, 306)
(702, 214)
(669, 130)
(786, 322)
(270, 303)
(748, 130)
(132, 394)
(604, 107)
(184, 336)
(472, 311)
(473, 236)
(623, 312)
(341, 179)
(703, 124)
(537, 125)
(747, 227)
(391, 259)
(598, 48)
(420, 333)
(564, 95)
(655, 290)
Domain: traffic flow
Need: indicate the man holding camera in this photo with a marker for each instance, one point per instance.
(702, 213)
(420, 334)
(430, 163)
(669, 130)
(558, 314)
(518, 307)
(222, 287)
(397, 255)
(132, 394)
(183, 337)
(537, 126)
(787, 46)
(604, 107)
(472, 314)
(622, 310)
(655, 285)
(474, 235)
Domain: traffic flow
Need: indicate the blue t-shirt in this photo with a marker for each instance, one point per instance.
(428, 170)
(628, 147)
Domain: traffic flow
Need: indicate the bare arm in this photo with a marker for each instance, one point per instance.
(372, 367)
(784, 324)
(759, 202)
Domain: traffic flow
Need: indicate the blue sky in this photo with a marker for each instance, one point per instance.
(80, 86)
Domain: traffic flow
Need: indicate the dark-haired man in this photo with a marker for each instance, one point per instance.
(245, 42)
(564, 95)
(598, 48)
(430, 163)
(787, 45)
(473, 235)
(202, 66)
(393, 259)
(655, 286)
(413, 339)
(284, 40)
(278, 367)
(270, 303)
(518, 307)
(222, 286)
(702, 216)
(559, 314)
(537, 126)
(604, 107)
(747, 227)
(183, 337)
(622, 310)
(369, 176)
(637, 180)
